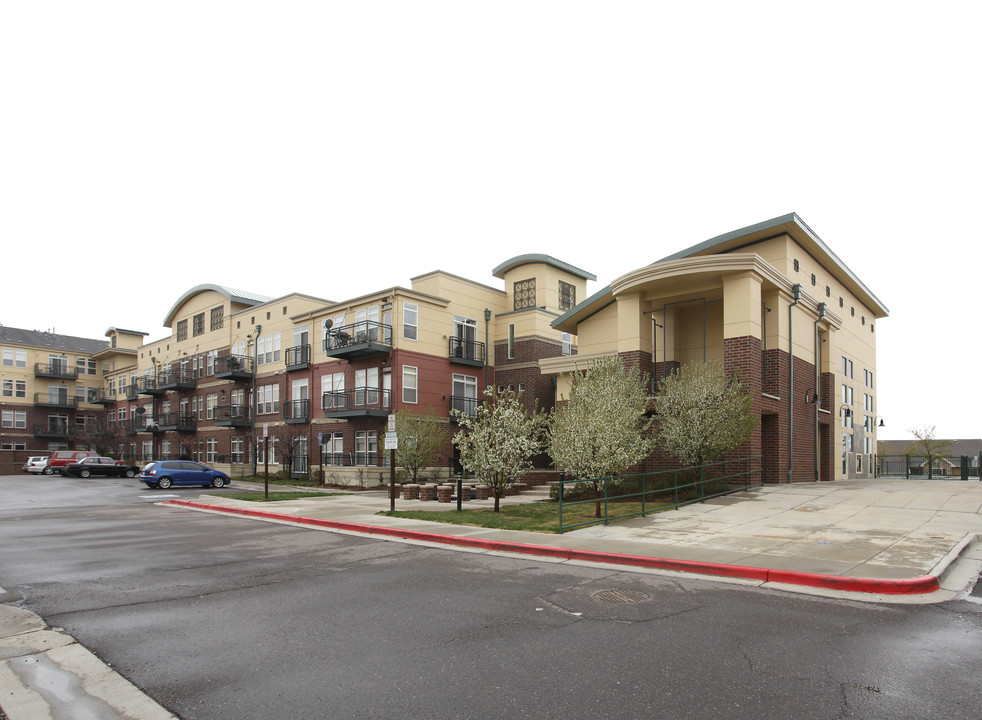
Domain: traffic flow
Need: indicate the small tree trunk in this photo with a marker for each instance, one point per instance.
(497, 501)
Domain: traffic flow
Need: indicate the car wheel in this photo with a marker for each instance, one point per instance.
(48, 471)
(163, 483)
(218, 482)
(129, 473)
(84, 473)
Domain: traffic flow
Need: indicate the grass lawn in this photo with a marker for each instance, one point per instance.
(532, 517)
(275, 496)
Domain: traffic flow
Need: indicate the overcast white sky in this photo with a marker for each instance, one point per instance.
(335, 148)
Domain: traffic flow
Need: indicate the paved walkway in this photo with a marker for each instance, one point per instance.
(872, 538)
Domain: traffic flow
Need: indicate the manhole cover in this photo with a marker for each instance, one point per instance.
(622, 596)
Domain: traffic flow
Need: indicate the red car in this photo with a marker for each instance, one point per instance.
(96, 465)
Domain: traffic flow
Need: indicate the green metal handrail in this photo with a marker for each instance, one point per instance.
(736, 476)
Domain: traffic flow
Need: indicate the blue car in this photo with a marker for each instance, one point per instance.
(164, 473)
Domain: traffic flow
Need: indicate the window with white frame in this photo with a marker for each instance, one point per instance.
(211, 403)
(80, 365)
(410, 375)
(14, 388)
(14, 419)
(268, 348)
(237, 449)
(267, 399)
(366, 447)
(366, 386)
(567, 344)
(366, 324)
(464, 395)
(332, 391)
(211, 450)
(210, 358)
(410, 321)
(12, 357)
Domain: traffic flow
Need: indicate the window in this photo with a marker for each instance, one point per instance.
(198, 326)
(217, 318)
(841, 302)
(80, 365)
(465, 337)
(511, 340)
(14, 358)
(567, 344)
(182, 330)
(332, 391)
(464, 396)
(92, 367)
(867, 402)
(409, 379)
(211, 403)
(16, 419)
(847, 395)
(847, 367)
(567, 295)
(524, 294)
(797, 267)
(332, 449)
(267, 399)
(366, 386)
(237, 449)
(410, 320)
(211, 449)
(268, 348)
(868, 378)
(210, 359)
(366, 447)
(828, 291)
(814, 279)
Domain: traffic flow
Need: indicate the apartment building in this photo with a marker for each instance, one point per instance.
(774, 304)
(300, 382)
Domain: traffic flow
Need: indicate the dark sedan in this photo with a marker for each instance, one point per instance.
(95, 465)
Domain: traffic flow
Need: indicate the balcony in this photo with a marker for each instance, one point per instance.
(58, 371)
(176, 380)
(297, 358)
(358, 340)
(175, 421)
(148, 386)
(467, 352)
(466, 406)
(358, 402)
(131, 391)
(233, 416)
(59, 430)
(234, 367)
(55, 400)
(296, 411)
(99, 396)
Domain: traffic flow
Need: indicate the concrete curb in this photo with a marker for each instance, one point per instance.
(905, 586)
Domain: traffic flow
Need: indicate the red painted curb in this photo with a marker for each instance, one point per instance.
(905, 586)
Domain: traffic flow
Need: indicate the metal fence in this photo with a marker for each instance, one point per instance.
(962, 467)
(657, 491)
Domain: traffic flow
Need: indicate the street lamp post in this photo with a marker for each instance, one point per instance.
(255, 368)
(487, 346)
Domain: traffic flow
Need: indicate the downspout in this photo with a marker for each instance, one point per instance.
(796, 294)
(818, 385)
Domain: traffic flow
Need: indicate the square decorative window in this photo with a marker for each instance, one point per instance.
(567, 296)
(182, 330)
(217, 318)
(525, 294)
(198, 328)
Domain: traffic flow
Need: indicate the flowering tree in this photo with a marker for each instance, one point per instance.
(702, 414)
(421, 438)
(497, 442)
(602, 430)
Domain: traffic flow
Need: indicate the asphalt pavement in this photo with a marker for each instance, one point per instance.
(882, 540)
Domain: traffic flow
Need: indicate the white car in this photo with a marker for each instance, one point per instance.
(36, 464)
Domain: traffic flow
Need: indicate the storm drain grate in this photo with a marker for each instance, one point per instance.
(622, 596)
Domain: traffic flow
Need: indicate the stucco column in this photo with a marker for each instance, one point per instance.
(741, 305)
(633, 332)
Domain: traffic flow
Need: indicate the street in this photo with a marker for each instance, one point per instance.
(221, 617)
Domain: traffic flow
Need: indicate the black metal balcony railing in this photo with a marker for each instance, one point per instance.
(352, 458)
(99, 396)
(55, 370)
(360, 339)
(296, 411)
(357, 401)
(54, 399)
(130, 391)
(468, 352)
(233, 415)
(234, 367)
(175, 421)
(297, 357)
(466, 406)
(176, 380)
(53, 430)
(147, 385)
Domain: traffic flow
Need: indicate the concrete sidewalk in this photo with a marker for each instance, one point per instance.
(879, 539)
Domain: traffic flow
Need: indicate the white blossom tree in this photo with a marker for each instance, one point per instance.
(602, 428)
(702, 413)
(499, 440)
